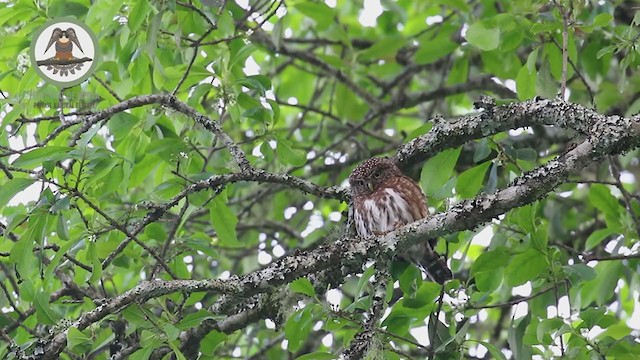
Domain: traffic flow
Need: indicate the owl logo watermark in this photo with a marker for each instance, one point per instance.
(64, 52)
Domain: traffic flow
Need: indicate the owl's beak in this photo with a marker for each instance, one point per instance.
(370, 186)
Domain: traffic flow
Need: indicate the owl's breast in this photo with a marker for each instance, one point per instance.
(382, 211)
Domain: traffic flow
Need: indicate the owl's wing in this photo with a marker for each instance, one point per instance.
(74, 38)
(55, 35)
(422, 254)
(414, 197)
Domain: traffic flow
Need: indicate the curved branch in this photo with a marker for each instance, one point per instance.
(453, 133)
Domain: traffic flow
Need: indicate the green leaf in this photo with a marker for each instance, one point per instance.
(470, 181)
(401, 318)
(492, 181)
(259, 83)
(14, 113)
(426, 294)
(51, 267)
(61, 204)
(96, 265)
(483, 37)
(275, 108)
(171, 331)
(511, 40)
(487, 269)
(76, 338)
(606, 50)
(526, 83)
(166, 148)
(364, 280)
(15, 13)
(581, 271)
(410, 280)
(493, 350)
(176, 350)
(540, 238)
(419, 131)
(224, 221)
(61, 228)
(303, 286)
(37, 157)
(526, 217)
(601, 198)
(482, 150)
(437, 171)
(258, 113)
(545, 328)
(210, 342)
(526, 154)
(490, 260)
(531, 61)
(225, 24)
(601, 289)
(121, 124)
(596, 316)
(27, 290)
(297, 328)
(431, 51)
(602, 19)
(138, 14)
(9, 189)
(135, 316)
(238, 57)
(203, 243)
(44, 314)
(320, 12)
(193, 320)
(288, 154)
(521, 351)
(149, 343)
(524, 267)
(596, 238)
(22, 255)
(384, 47)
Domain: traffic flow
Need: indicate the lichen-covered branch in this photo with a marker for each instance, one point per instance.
(363, 341)
(452, 133)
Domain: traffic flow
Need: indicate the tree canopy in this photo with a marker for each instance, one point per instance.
(189, 200)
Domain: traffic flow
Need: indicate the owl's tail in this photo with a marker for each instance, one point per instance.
(432, 264)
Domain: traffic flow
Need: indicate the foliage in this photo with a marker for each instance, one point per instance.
(209, 145)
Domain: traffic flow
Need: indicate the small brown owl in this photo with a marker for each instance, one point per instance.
(64, 40)
(383, 199)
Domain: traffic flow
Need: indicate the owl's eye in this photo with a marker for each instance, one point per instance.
(377, 174)
(361, 182)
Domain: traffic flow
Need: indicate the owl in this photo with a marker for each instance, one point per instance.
(64, 40)
(383, 199)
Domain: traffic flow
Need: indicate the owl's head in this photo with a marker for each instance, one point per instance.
(369, 175)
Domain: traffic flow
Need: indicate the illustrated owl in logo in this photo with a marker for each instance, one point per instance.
(64, 40)
(63, 63)
(64, 52)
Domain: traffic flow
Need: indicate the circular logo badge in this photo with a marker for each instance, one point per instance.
(64, 52)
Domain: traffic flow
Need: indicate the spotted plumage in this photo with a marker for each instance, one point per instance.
(385, 199)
